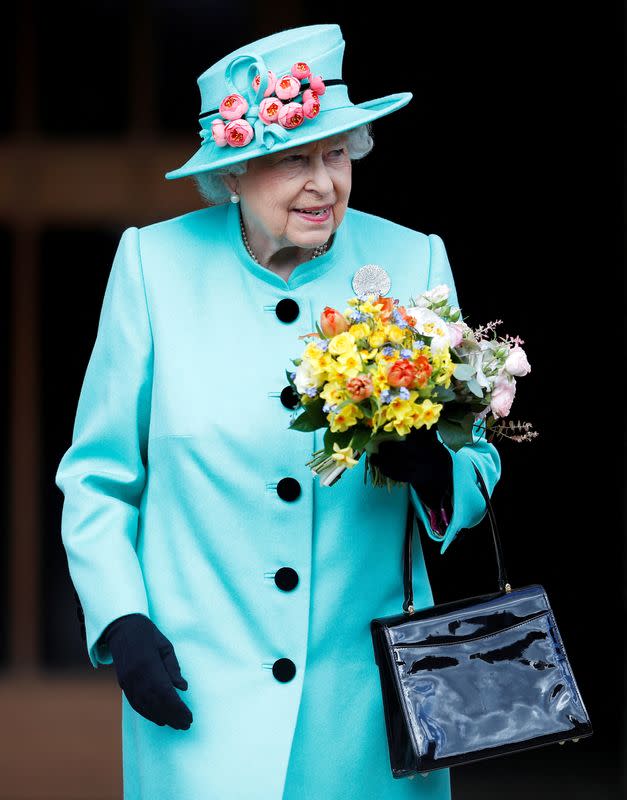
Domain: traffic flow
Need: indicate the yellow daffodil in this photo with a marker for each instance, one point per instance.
(430, 412)
(443, 365)
(344, 455)
(422, 351)
(385, 361)
(368, 355)
(400, 426)
(345, 418)
(395, 334)
(334, 393)
(378, 418)
(400, 418)
(315, 358)
(369, 306)
(312, 351)
(377, 338)
(350, 360)
(379, 380)
(360, 330)
(399, 408)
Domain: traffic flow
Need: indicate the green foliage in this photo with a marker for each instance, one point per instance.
(342, 438)
(361, 436)
(456, 433)
(464, 372)
(443, 395)
(312, 418)
(475, 387)
(367, 407)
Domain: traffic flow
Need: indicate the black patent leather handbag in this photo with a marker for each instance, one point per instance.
(475, 678)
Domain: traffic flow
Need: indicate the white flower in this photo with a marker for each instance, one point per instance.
(432, 296)
(428, 323)
(438, 293)
(305, 377)
(516, 362)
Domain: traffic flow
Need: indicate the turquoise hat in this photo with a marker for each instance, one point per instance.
(317, 49)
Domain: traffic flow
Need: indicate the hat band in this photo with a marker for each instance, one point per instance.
(330, 82)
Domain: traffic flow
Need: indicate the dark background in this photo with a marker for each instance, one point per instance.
(510, 150)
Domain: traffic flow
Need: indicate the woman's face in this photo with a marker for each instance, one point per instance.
(276, 188)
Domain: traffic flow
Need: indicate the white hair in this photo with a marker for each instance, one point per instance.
(214, 190)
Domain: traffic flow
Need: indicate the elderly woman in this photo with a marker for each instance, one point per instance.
(232, 592)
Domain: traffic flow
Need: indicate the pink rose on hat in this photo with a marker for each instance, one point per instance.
(300, 70)
(311, 107)
(291, 115)
(269, 109)
(238, 133)
(233, 106)
(287, 87)
(317, 84)
(217, 131)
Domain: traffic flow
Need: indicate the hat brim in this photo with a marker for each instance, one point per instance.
(334, 121)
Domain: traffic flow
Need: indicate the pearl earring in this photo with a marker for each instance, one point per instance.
(234, 197)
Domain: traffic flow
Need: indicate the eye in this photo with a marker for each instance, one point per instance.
(292, 158)
(338, 152)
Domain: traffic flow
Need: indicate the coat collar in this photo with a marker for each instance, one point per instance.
(303, 273)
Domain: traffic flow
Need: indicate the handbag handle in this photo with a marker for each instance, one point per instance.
(408, 603)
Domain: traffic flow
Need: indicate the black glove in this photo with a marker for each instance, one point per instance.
(421, 460)
(146, 666)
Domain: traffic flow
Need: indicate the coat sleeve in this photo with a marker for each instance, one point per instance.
(469, 506)
(102, 474)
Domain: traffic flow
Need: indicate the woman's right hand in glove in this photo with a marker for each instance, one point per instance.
(147, 670)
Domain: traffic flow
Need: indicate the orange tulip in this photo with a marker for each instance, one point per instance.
(402, 373)
(332, 322)
(387, 304)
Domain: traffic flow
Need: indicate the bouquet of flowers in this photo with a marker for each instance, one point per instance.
(379, 369)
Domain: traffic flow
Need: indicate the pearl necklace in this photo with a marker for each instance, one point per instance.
(318, 251)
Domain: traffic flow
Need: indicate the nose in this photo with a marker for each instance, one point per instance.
(319, 179)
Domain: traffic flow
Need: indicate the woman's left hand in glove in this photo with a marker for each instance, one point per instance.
(421, 460)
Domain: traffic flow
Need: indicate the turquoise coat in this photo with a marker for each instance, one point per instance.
(173, 508)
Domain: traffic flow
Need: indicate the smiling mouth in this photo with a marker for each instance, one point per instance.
(319, 213)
